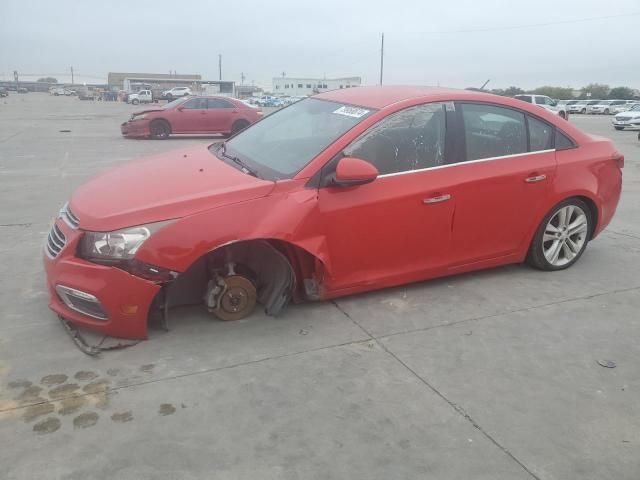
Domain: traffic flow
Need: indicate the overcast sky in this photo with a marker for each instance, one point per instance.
(456, 43)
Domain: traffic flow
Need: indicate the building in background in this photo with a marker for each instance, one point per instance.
(124, 81)
(309, 86)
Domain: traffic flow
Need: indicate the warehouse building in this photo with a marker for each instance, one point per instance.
(308, 86)
(124, 81)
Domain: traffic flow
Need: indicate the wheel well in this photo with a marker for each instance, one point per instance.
(280, 271)
(593, 212)
(161, 120)
(241, 121)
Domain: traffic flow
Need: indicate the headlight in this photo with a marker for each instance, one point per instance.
(119, 245)
(138, 117)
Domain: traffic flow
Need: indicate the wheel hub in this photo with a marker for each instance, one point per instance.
(238, 300)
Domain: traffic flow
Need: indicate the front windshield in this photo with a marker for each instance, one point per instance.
(284, 142)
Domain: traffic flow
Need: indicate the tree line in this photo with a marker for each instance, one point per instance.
(597, 90)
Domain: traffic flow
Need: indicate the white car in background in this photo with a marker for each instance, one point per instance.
(581, 106)
(143, 96)
(604, 107)
(176, 92)
(623, 108)
(545, 102)
(628, 119)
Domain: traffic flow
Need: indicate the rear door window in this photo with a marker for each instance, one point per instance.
(219, 103)
(492, 131)
(540, 135)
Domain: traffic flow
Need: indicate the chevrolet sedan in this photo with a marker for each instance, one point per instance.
(348, 191)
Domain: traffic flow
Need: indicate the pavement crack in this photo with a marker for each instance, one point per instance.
(506, 312)
(459, 410)
(16, 224)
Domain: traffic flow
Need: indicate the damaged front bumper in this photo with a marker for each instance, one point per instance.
(135, 129)
(97, 297)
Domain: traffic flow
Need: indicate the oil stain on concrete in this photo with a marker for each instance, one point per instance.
(85, 376)
(85, 420)
(71, 405)
(166, 409)
(122, 417)
(34, 411)
(63, 390)
(97, 387)
(147, 368)
(48, 425)
(55, 379)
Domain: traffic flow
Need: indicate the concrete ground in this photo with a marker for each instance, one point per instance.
(491, 375)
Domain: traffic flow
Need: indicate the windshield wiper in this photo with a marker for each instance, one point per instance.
(245, 168)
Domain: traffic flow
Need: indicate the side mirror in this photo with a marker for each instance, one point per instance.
(352, 171)
(180, 109)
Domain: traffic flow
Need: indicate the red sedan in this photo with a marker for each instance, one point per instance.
(348, 191)
(192, 115)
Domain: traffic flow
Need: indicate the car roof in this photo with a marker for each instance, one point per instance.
(380, 97)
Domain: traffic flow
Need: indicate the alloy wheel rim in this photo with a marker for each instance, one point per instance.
(565, 235)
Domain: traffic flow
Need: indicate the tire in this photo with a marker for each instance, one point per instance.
(135, 101)
(606, 111)
(562, 115)
(185, 94)
(583, 111)
(170, 97)
(160, 129)
(553, 246)
(238, 126)
(619, 128)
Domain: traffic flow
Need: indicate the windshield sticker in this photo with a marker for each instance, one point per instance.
(354, 112)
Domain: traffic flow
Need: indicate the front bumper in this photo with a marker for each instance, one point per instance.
(124, 298)
(137, 129)
(635, 123)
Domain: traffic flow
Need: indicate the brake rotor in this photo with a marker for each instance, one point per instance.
(238, 300)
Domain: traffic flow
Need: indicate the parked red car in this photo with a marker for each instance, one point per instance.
(194, 115)
(347, 191)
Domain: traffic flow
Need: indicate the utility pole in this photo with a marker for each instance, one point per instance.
(242, 77)
(72, 82)
(219, 66)
(381, 57)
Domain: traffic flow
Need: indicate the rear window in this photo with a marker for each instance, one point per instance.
(563, 142)
(540, 135)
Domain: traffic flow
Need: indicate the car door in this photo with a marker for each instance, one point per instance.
(221, 115)
(191, 116)
(501, 181)
(397, 228)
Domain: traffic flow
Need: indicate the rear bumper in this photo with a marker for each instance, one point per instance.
(138, 129)
(124, 298)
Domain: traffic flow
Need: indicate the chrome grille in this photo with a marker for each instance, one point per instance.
(69, 218)
(55, 242)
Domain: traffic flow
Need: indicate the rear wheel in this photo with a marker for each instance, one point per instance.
(160, 129)
(238, 126)
(562, 236)
(135, 101)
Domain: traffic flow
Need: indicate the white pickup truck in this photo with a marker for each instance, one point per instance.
(547, 103)
(143, 96)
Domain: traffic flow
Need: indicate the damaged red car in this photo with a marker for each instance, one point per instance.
(192, 115)
(347, 191)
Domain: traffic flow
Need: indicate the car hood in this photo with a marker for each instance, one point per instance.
(148, 110)
(162, 187)
(629, 113)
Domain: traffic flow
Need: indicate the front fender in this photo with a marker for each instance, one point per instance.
(289, 216)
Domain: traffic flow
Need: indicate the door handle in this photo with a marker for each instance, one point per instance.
(438, 199)
(535, 178)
